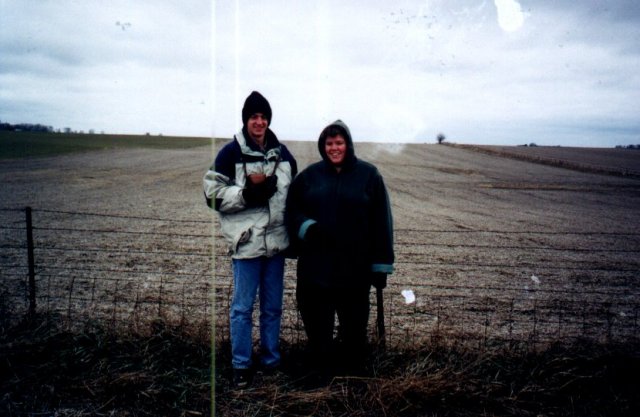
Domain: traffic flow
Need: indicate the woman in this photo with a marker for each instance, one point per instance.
(339, 217)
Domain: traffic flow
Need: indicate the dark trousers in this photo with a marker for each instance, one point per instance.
(318, 307)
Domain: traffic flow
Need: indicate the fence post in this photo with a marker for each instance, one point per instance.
(32, 273)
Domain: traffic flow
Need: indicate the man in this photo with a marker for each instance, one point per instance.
(247, 185)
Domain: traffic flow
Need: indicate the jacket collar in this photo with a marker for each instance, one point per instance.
(249, 147)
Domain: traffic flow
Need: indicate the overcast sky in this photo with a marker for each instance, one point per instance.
(510, 72)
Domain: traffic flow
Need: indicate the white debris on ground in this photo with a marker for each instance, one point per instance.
(527, 290)
(409, 296)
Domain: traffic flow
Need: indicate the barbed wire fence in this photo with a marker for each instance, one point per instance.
(451, 286)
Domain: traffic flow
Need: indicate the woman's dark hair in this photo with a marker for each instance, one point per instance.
(331, 131)
(334, 130)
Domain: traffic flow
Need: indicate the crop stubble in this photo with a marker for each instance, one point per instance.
(491, 246)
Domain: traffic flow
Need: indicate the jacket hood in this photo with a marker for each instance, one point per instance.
(337, 127)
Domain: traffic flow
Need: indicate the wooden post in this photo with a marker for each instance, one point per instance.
(382, 339)
(32, 273)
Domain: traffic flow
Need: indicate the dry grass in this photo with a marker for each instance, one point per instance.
(49, 372)
(443, 381)
(94, 373)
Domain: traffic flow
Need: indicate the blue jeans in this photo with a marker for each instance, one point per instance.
(263, 276)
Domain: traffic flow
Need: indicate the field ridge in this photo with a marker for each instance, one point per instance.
(554, 156)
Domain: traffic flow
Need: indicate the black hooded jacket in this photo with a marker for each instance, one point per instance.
(352, 209)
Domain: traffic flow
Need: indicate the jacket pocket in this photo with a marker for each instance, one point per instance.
(242, 238)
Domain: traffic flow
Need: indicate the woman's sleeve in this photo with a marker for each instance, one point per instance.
(297, 222)
(383, 255)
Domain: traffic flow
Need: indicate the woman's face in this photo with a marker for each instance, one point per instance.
(336, 148)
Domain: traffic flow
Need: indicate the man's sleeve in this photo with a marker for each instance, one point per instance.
(220, 189)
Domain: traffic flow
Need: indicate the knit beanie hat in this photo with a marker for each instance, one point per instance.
(255, 103)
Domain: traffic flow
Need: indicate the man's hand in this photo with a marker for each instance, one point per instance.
(271, 186)
(257, 195)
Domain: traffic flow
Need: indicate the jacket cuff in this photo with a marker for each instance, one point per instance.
(303, 228)
(384, 268)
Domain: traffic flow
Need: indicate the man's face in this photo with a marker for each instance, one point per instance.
(257, 126)
(336, 148)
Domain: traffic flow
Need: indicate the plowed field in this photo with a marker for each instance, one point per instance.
(491, 245)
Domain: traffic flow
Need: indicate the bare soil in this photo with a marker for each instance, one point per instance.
(488, 243)
(453, 187)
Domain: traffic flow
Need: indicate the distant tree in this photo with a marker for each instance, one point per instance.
(26, 127)
(441, 137)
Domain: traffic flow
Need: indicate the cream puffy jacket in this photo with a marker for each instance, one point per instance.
(250, 231)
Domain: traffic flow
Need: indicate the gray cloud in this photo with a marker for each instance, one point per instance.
(395, 71)
(118, 66)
